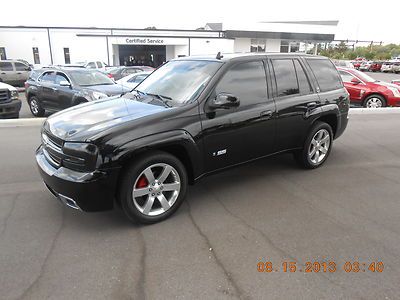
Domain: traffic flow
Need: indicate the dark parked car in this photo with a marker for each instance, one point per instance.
(120, 72)
(56, 89)
(191, 117)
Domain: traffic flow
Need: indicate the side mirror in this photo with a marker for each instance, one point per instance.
(355, 81)
(64, 83)
(225, 101)
(28, 69)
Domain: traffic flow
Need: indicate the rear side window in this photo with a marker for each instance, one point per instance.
(246, 81)
(99, 65)
(91, 65)
(6, 66)
(48, 77)
(326, 74)
(285, 74)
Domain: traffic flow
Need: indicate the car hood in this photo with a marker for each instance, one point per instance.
(7, 86)
(82, 122)
(108, 89)
(385, 84)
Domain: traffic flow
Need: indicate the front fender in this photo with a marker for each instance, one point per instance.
(162, 140)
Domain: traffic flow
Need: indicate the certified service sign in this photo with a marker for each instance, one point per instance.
(141, 41)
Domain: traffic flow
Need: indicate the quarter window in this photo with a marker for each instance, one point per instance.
(246, 81)
(285, 74)
(326, 74)
(91, 65)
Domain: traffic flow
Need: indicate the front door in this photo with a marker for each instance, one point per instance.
(236, 135)
(355, 90)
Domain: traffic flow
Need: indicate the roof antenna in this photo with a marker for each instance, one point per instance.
(219, 55)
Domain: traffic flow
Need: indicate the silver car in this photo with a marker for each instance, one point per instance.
(14, 72)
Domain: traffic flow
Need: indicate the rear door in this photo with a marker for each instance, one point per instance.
(296, 100)
(22, 71)
(7, 72)
(47, 89)
(236, 135)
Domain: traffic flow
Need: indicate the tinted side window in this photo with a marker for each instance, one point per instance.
(99, 65)
(346, 77)
(91, 65)
(60, 77)
(246, 81)
(20, 67)
(327, 76)
(304, 83)
(6, 66)
(285, 74)
(48, 77)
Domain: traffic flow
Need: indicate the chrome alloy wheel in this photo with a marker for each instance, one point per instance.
(34, 106)
(156, 189)
(319, 146)
(374, 102)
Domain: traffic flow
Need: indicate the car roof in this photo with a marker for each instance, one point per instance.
(224, 57)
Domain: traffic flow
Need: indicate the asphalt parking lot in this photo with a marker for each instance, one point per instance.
(388, 77)
(270, 210)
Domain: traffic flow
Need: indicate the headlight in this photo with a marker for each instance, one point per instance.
(395, 91)
(80, 156)
(98, 95)
(14, 95)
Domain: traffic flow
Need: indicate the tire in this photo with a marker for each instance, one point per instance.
(311, 157)
(146, 175)
(374, 101)
(35, 107)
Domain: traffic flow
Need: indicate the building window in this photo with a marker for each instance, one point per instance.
(67, 58)
(257, 45)
(294, 47)
(36, 58)
(3, 55)
(284, 47)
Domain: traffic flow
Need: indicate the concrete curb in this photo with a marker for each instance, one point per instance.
(372, 111)
(22, 122)
(353, 111)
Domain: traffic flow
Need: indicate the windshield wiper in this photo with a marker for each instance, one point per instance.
(164, 99)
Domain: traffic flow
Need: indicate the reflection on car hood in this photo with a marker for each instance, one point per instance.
(386, 84)
(81, 122)
(108, 89)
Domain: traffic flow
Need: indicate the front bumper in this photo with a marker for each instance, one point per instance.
(89, 192)
(10, 109)
(393, 101)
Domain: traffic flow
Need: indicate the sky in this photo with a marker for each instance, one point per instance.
(361, 20)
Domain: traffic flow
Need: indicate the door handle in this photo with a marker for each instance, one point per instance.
(312, 104)
(3, 73)
(19, 73)
(266, 114)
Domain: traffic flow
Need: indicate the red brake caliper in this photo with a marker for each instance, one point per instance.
(142, 182)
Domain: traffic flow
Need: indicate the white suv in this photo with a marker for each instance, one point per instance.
(10, 104)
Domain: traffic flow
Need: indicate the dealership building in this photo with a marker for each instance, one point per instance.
(151, 46)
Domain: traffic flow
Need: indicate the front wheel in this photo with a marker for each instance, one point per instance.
(317, 146)
(35, 107)
(374, 101)
(153, 187)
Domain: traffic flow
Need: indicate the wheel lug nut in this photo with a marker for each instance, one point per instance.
(158, 193)
(153, 184)
(150, 189)
(153, 194)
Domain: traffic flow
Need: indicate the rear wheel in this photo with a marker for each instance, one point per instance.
(374, 101)
(317, 146)
(35, 107)
(153, 188)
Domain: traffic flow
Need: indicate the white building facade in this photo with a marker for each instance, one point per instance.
(114, 46)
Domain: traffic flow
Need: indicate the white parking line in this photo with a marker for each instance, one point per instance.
(22, 122)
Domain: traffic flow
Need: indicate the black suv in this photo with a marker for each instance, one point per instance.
(189, 118)
(55, 89)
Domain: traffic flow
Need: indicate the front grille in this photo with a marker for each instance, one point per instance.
(4, 95)
(52, 148)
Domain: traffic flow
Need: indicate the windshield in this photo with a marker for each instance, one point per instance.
(364, 77)
(180, 81)
(86, 77)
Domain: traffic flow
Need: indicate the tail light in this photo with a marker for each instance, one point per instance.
(26, 85)
(110, 76)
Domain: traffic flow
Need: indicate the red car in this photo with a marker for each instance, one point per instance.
(368, 92)
(396, 81)
(375, 66)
